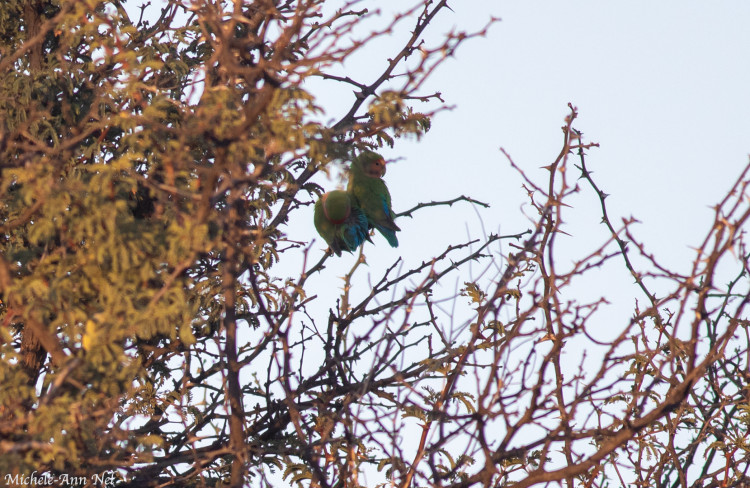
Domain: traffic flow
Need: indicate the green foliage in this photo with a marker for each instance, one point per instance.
(148, 169)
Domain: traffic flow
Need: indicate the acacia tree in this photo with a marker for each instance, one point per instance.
(152, 158)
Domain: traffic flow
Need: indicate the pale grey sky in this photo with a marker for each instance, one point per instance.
(663, 87)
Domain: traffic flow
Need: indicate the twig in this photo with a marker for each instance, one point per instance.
(408, 213)
(586, 174)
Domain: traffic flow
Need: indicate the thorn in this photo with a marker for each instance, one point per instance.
(549, 337)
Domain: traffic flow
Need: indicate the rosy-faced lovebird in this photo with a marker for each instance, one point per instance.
(371, 195)
(341, 223)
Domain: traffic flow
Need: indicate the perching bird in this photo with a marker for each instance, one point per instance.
(341, 223)
(371, 194)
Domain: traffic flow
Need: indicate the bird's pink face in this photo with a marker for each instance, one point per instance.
(375, 168)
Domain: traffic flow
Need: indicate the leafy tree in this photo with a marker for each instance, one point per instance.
(150, 168)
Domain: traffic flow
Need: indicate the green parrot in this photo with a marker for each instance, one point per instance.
(370, 193)
(342, 224)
